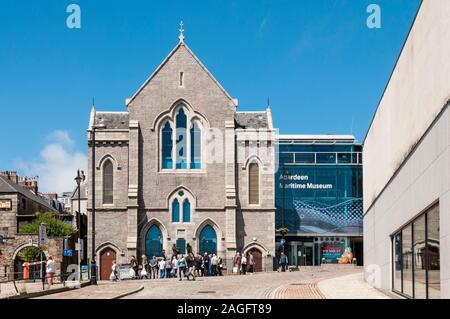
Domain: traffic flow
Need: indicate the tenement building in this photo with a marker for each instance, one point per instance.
(318, 196)
(181, 167)
(407, 166)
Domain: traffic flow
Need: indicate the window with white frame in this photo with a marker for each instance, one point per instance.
(181, 142)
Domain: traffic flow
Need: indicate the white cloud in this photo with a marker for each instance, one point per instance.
(57, 164)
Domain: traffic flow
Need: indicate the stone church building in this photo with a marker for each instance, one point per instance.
(182, 167)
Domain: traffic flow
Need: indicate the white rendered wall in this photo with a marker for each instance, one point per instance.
(424, 179)
(416, 93)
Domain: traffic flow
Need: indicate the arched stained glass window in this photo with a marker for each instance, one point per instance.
(153, 242)
(196, 147)
(208, 240)
(253, 184)
(108, 182)
(186, 211)
(181, 137)
(175, 211)
(167, 162)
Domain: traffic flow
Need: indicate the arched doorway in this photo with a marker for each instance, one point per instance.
(153, 242)
(208, 240)
(107, 256)
(257, 254)
(30, 254)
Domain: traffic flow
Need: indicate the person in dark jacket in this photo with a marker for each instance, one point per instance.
(283, 262)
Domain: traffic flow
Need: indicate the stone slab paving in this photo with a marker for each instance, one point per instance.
(8, 290)
(104, 290)
(257, 286)
(351, 286)
(307, 283)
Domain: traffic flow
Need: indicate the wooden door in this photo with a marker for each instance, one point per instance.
(257, 254)
(107, 257)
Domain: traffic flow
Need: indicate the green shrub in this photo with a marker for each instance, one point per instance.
(55, 226)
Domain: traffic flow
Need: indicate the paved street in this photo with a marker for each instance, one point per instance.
(308, 283)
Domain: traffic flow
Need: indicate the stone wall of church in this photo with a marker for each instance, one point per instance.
(110, 219)
(205, 98)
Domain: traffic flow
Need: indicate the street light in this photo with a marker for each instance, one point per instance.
(93, 263)
(79, 179)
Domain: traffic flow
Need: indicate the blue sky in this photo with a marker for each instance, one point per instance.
(323, 69)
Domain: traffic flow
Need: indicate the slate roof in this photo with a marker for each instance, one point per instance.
(253, 120)
(113, 120)
(7, 186)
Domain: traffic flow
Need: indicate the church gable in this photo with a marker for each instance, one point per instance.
(182, 75)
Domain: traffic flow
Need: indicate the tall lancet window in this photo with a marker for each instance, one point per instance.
(108, 182)
(166, 155)
(181, 137)
(196, 147)
(175, 211)
(180, 140)
(253, 184)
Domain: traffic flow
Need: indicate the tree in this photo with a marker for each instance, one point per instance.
(55, 226)
(29, 254)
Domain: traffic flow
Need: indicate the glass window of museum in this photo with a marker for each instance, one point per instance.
(320, 199)
(416, 257)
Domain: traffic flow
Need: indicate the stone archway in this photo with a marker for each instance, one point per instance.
(35, 263)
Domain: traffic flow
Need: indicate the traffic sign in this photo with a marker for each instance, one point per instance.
(68, 252)
(42, 235)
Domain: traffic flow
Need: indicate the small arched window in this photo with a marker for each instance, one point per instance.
(196, 147)
(108, 182)
(253, 184)
(166, 152)
(186, 211)
(175, 211)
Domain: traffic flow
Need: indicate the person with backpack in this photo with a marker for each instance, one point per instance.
(190, 265)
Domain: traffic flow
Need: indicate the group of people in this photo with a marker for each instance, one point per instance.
(244, 263)
(179, 266)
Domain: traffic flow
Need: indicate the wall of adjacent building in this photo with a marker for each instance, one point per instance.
(416, 93)
(423, 180)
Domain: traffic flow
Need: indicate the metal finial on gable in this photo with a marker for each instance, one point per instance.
(181, 36)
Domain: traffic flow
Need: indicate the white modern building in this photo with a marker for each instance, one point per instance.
(406, 168)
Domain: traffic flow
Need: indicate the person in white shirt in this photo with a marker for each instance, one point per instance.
(50, 270)
(113, 275)
(174, 266)
(162, 269)
(244, 264)
(215, 263)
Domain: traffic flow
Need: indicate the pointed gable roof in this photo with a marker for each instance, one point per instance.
(177, 47)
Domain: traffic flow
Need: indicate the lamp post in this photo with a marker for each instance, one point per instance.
(79, 179)
(93, 263)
